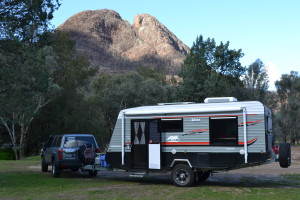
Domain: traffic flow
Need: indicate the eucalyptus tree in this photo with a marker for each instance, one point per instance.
(256, 81)
(288, 89)
(210, 70)
(26, 66)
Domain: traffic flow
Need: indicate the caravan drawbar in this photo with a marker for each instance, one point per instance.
(194, 139)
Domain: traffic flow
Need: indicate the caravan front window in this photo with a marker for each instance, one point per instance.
(223, 130)
(171, 125)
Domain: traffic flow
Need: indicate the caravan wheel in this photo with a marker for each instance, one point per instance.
(285, 155)
(182, 175)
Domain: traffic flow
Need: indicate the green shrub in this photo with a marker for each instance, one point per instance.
(7, 154)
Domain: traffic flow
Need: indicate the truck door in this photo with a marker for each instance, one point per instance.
(47, 149)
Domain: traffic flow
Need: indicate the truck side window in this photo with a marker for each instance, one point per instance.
(53, 142)
(58, 141)
(223, 130)
(49, 142)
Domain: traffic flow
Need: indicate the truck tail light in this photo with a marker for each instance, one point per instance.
(60, 154)
(98, 150)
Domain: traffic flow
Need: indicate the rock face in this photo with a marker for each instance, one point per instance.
(115, 45)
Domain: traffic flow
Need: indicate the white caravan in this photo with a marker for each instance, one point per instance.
(194, 139)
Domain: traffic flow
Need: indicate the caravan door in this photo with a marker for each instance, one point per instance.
(154, 145)
(146, 149)
(139, 150)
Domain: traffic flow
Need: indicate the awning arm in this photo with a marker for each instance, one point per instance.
(123, 137)
(245, 135)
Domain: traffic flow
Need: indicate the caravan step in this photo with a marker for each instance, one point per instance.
(138, 175)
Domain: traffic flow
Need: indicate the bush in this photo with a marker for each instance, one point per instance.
(7, 154)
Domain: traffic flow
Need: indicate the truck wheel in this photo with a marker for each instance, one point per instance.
(44, 165)
(182, 175)
(55, 169)
(93, 173)
(285, 155)
(203, 176)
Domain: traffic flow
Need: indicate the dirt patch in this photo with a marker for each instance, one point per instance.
(265, 175)
(274, 168)
(113, 187)
(35, 167)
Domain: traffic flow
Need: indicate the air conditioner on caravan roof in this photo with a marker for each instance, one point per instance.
(220, 100)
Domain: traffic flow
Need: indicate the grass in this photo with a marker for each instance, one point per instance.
(23, 180)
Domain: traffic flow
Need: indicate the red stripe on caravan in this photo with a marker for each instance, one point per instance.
(249, 142)
(199, 130)
(251, 122)
(172, 117)
(200, 143)
(184, 143)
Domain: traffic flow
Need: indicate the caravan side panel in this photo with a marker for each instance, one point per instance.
(194, 142)
(113, 154)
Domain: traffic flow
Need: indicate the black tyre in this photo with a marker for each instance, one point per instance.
(182, 175)
(93, 173)
(285, 157)
(203, 176)
(44, 165)
(86, 154)
(55, 169)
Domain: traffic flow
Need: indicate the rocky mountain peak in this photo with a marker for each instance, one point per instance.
(114, 44)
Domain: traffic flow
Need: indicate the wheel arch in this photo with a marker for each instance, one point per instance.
(180, 161)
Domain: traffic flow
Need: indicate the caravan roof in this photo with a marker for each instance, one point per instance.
(253, 107)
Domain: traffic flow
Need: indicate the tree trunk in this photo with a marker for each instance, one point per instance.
(12, 135)
(22, 142)
(16, 152)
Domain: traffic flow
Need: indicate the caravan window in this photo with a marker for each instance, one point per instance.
(171, 125)
(223, 130)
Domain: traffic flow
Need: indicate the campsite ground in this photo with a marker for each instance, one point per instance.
(24, 180)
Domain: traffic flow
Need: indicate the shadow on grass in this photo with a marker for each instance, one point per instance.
(253, 181)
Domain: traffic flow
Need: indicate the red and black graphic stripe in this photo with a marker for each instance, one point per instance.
(250, 142)
(250, 123)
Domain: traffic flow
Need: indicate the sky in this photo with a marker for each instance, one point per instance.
(264, 29)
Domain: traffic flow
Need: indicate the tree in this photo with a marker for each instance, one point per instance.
(113, 93)
(26, 20)
(71, 111)
(210, 70)
(26, 67)
(25, 87)
(288, 89)
(256, 81)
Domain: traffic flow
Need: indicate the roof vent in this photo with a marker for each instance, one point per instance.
(220, 100)
(175, 103)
